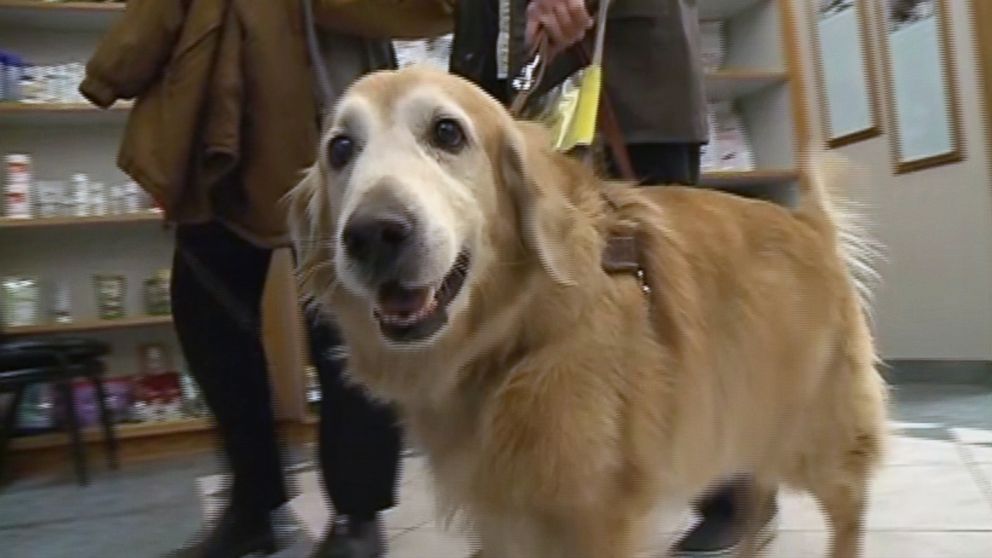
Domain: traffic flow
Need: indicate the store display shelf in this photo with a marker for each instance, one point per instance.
(711, 10)
(90, 325)
(16, 107)
(734, 83)
(749, 178)
(52, 222)
(124, 431)
(34, 14)
(33, 114)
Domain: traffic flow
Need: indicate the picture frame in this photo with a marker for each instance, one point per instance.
(920, 74)
(843, 28)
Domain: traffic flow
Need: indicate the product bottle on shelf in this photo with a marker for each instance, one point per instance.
(80, 195)
(17, 186)
(62, 309)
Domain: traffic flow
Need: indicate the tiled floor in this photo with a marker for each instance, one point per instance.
(933, 500)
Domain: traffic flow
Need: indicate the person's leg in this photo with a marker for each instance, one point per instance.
(665, 163)
(360, 444)
(221, 341)
(725, 521)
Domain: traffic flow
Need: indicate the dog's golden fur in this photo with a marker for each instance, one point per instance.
(561, 404)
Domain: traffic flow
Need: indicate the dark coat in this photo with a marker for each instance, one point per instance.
(652, 65)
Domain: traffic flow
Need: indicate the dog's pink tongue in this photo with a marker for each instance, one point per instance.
(399, 301)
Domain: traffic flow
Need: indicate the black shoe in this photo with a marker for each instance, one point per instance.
(721, 536)
(353, 539)
(234, 536)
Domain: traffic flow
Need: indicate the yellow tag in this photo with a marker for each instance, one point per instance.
(581, 127)
(561, 118)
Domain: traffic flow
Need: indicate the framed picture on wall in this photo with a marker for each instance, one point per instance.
(920, 84)
(844, 69)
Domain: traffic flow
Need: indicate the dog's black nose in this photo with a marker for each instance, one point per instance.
(377, 241)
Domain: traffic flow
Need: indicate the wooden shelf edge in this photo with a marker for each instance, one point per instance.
(76, 6)
(747, 74)
(725, 9)
(15, 107)
(89, 325)
(761, 176)
(125, 431)
(52, 222)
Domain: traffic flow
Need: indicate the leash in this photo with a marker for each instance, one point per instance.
(621, 254)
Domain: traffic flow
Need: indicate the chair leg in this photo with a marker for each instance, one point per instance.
(109, 436)
(9, 423)
(72, 421)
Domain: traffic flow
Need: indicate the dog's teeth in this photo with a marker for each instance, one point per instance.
(409, 319)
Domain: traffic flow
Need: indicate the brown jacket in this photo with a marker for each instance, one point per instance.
(225, 115)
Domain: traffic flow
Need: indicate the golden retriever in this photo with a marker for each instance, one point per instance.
(559, 404)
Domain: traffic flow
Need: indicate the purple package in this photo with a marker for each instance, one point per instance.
(118, 400)
(87, 410)
(120, 392)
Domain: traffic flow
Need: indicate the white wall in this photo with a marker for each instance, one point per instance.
(936, 300)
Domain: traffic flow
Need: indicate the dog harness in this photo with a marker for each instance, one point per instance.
(622, 253)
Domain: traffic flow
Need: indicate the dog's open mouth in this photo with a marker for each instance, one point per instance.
(413, 314)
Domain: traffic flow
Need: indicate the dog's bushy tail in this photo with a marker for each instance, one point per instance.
(825, 182)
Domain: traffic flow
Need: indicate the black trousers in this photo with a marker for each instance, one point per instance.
(221, 339)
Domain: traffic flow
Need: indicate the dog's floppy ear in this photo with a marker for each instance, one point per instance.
(533, 178)
(308, 219)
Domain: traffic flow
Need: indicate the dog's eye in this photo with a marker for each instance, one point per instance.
(339, 151)
(448, 134)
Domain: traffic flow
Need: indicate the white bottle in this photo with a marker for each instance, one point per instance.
(98, 198)
(80, 195)
(62, 308)
(17, 188)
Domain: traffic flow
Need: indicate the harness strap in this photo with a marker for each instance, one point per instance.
(622, 253)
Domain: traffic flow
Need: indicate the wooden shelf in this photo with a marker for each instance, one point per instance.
(60, 114)
(90, 325)
(16, 107)
(62, 16)
(710, 10)
(125, 431)
(53, 222)
(734, 83)
(763, 177)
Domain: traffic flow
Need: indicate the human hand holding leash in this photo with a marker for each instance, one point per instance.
(563, 22)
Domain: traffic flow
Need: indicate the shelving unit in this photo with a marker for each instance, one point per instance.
(88, 326)
(730, 84)
(61, 114)
(125, 431)
(711, 10)
(739, 179)
(50, 222)
(62, 108)
(761, 78)
(64, 139)
(63, 16)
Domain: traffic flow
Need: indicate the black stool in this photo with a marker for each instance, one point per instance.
(58, 361)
